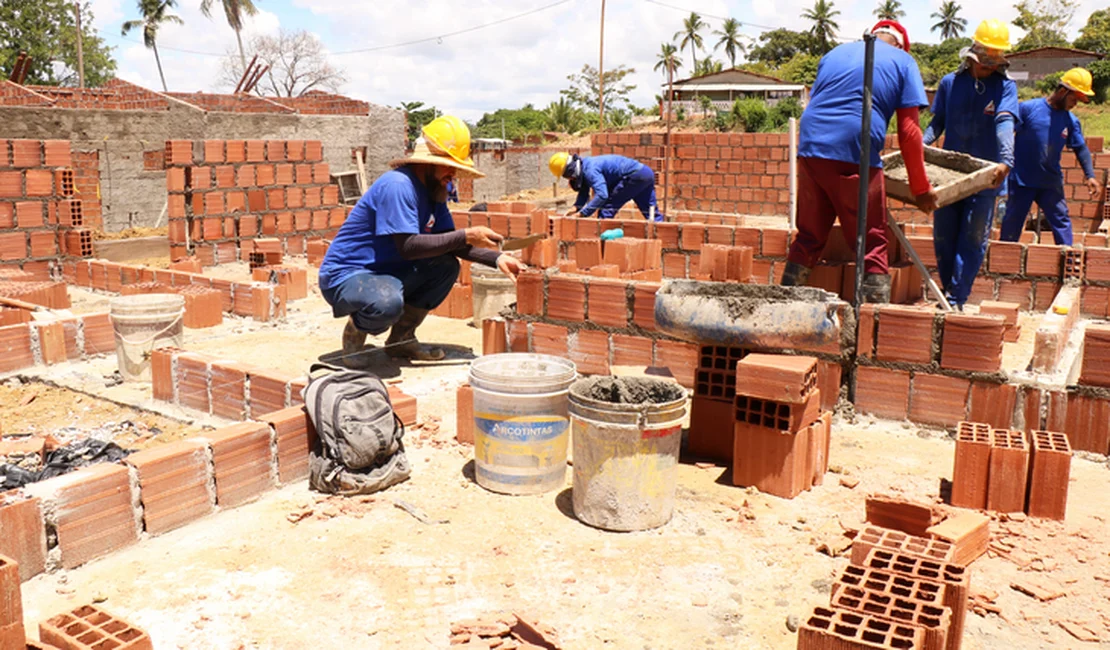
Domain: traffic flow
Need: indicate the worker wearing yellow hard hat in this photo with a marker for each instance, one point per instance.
(1047, 126)
(975, 108)
(615, 180)
(397, 255)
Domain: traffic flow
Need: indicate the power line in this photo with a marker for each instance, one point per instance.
(428, 39)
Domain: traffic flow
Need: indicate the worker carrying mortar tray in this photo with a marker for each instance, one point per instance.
(975, 108)
(829, 153)
(1047, 126)
(615, 180)
(396, 256)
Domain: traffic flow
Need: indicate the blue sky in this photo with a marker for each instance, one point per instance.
(525, 60)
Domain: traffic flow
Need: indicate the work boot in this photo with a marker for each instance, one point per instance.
(354, 339)
(875, 288)
(402, 341)
(795, 275)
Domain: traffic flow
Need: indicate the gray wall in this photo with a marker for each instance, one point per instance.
(132, 196)
(514, 170)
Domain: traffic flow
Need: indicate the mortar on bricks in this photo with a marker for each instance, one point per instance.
(492, 292)
(520, 421)
(142, 323)
(626, 433)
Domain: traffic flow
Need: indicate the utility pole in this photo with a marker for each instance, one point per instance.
(80, 49)
(667, 143)
(601, 73)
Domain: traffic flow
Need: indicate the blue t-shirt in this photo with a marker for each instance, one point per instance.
(601, 174)
(967, 112)
(832, 120)
(396, 204)
(1040, 142)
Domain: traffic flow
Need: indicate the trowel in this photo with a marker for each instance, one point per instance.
(522, 242)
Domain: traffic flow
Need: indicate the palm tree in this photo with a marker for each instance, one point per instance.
(708, 66)
(155, 13)
(668, 59)
(235, 10)
(889, 10)
(730, 39)
(824, 27)
(690, 34)
(950, 24)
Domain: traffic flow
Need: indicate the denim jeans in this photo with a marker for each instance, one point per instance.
(375, 299)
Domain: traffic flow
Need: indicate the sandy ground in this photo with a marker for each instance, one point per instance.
(726, 572)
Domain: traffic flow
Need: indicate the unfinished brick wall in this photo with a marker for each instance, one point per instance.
(224, 193)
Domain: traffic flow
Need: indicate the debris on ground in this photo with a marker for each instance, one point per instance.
(332, 506)
(504, 631)
(63, 460)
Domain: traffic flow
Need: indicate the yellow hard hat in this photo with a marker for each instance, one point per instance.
(558, 163)
(449, 135)
(1079, 80)
(993, 34)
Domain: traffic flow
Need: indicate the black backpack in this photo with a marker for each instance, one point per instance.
(359, 448)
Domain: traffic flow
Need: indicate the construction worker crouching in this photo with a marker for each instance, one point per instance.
(1047, 126)
(615, 180)
(396, 256)
(975, 108)
(829, 153)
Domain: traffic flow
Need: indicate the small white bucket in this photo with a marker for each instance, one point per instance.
(142, 323)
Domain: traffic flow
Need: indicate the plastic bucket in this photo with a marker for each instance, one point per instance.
(491, 292)
(626, 432)
(520, 421)
(142, 323)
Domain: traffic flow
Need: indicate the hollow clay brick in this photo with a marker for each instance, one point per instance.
(1009, 471)
(1049, 475)
(971, 470)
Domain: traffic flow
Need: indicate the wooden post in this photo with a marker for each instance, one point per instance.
(601, 73)
(80, 48)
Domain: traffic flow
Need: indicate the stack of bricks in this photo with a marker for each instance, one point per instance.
(1007, 471)
(780, 434)
(262, 301)
(17, 284)
(264, 251)
(293, 278)
(224, 193)
(514, 220)
(23, 345)
(40, 219)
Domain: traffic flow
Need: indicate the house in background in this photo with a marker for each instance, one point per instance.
(725, 87)
(1030, 66)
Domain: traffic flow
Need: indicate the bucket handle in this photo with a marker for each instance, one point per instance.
(152, 336)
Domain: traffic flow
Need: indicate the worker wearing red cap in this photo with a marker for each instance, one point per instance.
(829, 153)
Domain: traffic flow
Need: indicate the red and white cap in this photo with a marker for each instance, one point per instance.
(895, 29)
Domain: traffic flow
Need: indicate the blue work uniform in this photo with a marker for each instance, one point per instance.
(616, 180)
(977, 117)
(1037, 176)
(363, 274)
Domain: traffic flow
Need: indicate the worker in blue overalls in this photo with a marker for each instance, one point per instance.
(615, 180)
(975, 107)
(1047, 125)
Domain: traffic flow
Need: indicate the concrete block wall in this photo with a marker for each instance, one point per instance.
(228, 192)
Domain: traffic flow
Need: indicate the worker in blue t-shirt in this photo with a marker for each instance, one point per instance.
(1047, 126)
(615, 180)
(829, 153)
(396, 256)
(975, 108)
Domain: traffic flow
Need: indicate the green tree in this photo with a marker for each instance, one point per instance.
(780, 45)
(935, 61)
(824, 27)
(517, 123)
(783, 110)
(730, 40)
(800, 69)
(417, 117)
(46, 30)
(1095, 35)
(691, 35)
(563, 116)
(749, 114)
(889, 10)
(235, 11)
(1045, 22)
(708, 66)
(155, 13)
(1100, 75)
(584, 84)
(948, 20)
(667, 60)
(706, 104)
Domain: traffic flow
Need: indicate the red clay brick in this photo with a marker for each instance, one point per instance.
(631, 350)
(589, 350)
(972, 342)
(1044, 259)
(493, 336)
(608, 302)
(24, 533)
(711, 429)
(566, 298)
(772, 462)
(1088, 423)
(549, 339)
(971, 470)
(241, 461)
(777, 377)
(1049, 475)
(680, 358)
(883, 392)
(1009, 471)
(1005, 257)
(1096, 355)
(937, 399)
(89, 626)
(529, 292)
(173, 483)
(905, 334)
(464, 415)
(993, 404)
(293, 431)
(643, 304)
(91, 509)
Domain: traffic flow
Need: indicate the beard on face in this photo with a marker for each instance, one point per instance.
(436, 190)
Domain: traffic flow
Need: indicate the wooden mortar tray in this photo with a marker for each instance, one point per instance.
(974, 175)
